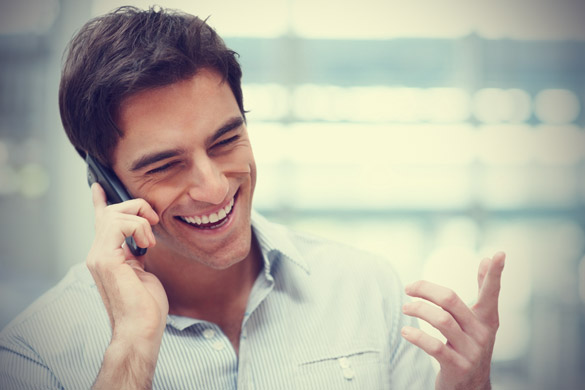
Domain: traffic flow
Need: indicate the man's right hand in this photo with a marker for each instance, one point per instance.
(135, 299)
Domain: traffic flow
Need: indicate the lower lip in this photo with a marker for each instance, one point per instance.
(223, 225)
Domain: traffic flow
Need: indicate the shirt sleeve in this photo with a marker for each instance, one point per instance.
(21, 368)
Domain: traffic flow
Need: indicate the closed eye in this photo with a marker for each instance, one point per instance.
(162, 168)
(227, 141)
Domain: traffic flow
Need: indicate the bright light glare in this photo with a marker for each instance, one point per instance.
(496, 19)
(557, 106)
(231, 18)
(384, 145)
(265, 101)
(381, 19)
(531, 186)
(380, 104)
(494, 105)
(559, 145)
(513, 335)
(499, 145)
(445, 105)
(456, 267)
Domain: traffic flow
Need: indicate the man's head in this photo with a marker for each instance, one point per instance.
(115, 56)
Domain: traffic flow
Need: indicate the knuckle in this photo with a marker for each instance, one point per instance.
(450, 298)
(463, 364)
(438, 349)
(475, 355)
(444, 320)
(481, 337)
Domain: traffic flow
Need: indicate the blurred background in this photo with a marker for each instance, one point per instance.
(432, 132)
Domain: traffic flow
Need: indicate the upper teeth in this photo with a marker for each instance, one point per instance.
(211, 218)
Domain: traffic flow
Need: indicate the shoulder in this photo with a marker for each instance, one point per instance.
(59, 338)
(73, 292)
(58, 317)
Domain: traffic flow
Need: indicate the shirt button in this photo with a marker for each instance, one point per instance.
(343, 362)
(209, 333)
(218, 345)
(348, 373)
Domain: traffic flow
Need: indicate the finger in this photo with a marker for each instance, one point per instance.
(99, 197)
(137, 227)
(138, 207)
(487, 303)
(112, 230)
(441, 320)
(128, 255)
(482, 271)
(445, 298)
(429, 344)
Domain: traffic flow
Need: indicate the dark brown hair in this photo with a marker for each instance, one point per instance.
(127, 51)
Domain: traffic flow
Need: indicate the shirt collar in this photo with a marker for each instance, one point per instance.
(276, 240)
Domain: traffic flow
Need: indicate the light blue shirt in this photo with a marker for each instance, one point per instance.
(320, 316)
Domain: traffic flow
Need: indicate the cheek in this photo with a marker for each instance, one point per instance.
(253, 174)
(160, 197)
(239, 161)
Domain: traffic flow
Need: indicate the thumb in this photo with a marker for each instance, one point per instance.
(487, 303)
(482, 272)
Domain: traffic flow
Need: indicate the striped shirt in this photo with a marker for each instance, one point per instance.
(321, 315)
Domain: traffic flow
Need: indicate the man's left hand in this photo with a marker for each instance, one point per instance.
(465, 359)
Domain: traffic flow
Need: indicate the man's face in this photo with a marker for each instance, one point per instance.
(186, 151)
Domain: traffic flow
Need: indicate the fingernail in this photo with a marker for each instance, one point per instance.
(405, 331)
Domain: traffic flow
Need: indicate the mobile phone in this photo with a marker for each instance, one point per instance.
(115, 192)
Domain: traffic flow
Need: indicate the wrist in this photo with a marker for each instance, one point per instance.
(128, 364)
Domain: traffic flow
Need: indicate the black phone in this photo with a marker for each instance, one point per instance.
(114, 189)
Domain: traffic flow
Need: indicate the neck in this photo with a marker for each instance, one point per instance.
(199, 291)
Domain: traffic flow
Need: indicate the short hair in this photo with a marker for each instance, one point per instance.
(127, 51)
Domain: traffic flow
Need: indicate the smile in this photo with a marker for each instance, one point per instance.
(210, 221)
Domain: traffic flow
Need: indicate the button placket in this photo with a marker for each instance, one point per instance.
(346, 369)
(209, 333)
(212, 336)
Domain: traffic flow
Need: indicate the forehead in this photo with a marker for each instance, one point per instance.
(205, 84)
(176, 114)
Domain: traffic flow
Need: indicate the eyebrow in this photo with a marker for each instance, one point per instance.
(155, 157)
(232, 124)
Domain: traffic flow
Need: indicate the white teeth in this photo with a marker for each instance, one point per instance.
(211, 218)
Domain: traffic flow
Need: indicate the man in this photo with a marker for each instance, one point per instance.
(222, 298)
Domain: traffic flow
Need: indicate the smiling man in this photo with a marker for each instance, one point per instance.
(222, 299)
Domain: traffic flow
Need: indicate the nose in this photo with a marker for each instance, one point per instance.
(208, 182)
